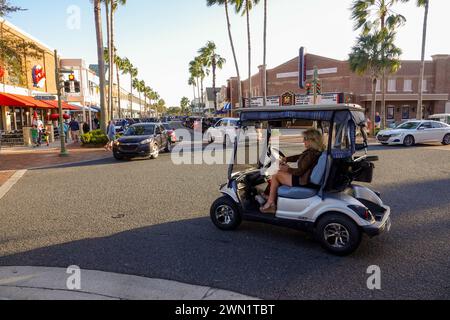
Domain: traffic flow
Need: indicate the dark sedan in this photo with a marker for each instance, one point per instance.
(142, 140)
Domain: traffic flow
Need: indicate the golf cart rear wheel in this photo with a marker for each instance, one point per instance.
(225, 214)
(409, 141)
(338, 234)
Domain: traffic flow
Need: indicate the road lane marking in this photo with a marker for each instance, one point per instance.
(6, 187)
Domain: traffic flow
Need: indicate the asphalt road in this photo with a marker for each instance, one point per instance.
(150, 218)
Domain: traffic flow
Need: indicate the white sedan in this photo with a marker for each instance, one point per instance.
(412, 132)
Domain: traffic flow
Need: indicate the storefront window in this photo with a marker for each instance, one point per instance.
(405, 113)
(390, 113)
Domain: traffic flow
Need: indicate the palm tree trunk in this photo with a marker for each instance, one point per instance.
(131, 97)
(422, 64)
(234, 53)
(214, 82)
(374, 104)
(118, 93)
(111, 54)
(140, 103)
(383, 83)
(198, 91)
(101, 62)
(249, 54)
(108, 36)
(265, 54)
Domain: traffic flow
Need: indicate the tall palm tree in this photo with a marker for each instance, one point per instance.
(244, 7)
(265, 54)
(119, 68)
(195, 69)
(426, 5)
(108, 53)
(101, 62)
(212, 60)
(378, 16)
(192, 83)
(230, 36)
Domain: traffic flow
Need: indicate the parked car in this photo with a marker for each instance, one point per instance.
(412, 132)
(224, 131)
(142, 140)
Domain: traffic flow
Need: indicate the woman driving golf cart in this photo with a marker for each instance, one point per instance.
(300, 176)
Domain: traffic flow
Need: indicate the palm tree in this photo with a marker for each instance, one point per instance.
(184, 104)
(230, 36)
(192, 83)
(265, 53)
(101, 62)
(212, 60)
(426, 5)
(119, 67)
(245, 6)
(195, 69)
(6, 8)
(372, 54)
(378, 16)
(108, 53)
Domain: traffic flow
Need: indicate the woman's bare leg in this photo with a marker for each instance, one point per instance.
(278, 180)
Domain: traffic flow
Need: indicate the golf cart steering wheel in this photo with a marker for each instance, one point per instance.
(274, 155)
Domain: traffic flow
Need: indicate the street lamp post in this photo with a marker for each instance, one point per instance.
(62, 134)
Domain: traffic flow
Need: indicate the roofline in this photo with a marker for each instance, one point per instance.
(326, 107)
(26, 34)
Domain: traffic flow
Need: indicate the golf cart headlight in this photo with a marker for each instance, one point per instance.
(146, 141)
(363, 212)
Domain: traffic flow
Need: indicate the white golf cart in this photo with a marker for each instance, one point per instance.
(334, 209)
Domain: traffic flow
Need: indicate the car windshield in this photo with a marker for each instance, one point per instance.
(167, 126)
(409, 125)
(146, 130)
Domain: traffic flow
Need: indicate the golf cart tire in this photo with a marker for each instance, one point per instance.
(355, 234)
(413, 141)
(235, 219)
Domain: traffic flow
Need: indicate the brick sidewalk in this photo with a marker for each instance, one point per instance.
(19, 159)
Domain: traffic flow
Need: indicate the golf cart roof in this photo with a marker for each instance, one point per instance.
(338, 113)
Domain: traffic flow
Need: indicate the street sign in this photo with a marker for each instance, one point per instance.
(45, 98)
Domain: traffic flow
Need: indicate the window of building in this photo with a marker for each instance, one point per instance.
(425, 86)
(391, 112)
(392, 85)
(407, 85)
(378, 86)
(405, 113)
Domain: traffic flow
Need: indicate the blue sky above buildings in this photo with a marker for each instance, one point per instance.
(161, 37)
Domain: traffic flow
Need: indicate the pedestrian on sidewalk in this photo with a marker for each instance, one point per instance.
(74, 130)
(66, 131)
(111, 135)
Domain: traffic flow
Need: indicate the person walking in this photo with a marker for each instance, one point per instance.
(74, 130)
(66, 131)
(111, 135)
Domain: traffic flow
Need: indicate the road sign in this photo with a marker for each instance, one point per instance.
(45, 98)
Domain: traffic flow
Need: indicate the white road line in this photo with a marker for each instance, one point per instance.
(4, 189)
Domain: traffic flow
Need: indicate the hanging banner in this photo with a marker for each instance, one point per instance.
(38, 75)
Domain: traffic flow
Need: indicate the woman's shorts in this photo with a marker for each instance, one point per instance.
(296, 181)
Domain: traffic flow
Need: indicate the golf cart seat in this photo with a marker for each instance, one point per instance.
(317, 177)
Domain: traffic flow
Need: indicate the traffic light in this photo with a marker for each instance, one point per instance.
(71, 77)
(319, 88)
(77, 87)
(67, 86)
(308, 89)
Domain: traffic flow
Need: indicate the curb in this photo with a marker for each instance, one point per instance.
(38, 283)
(69, 164)
(6, 187)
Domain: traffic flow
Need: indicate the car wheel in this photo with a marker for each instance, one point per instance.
(225, 214)
(338, 234)
(118, 157)
(154, 151)
(409, 141)
(446, 140)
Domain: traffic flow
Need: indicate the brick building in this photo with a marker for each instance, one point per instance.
(339, 84)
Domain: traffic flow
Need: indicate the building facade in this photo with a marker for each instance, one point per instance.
(340, 85)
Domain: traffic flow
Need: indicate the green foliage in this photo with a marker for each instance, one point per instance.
(6, 7)
(94, 138)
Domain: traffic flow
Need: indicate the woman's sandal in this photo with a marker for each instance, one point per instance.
(270, 210)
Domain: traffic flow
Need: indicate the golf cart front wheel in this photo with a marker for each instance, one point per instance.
(338, 234)
(225, 214)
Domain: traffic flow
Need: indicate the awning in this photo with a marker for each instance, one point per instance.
(65, 105)
(17, 100)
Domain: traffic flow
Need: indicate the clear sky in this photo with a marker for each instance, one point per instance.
(161, 37)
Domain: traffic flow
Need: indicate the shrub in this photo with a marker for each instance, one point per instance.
(94, 138)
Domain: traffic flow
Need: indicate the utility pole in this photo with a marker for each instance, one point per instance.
(62, 134)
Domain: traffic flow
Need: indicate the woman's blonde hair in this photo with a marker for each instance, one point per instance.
(315, 139)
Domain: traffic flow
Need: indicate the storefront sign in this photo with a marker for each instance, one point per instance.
(288, 99)
(38, 74)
